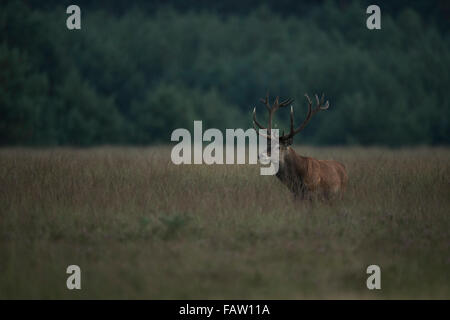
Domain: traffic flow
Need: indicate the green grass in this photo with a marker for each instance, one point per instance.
(141, 227)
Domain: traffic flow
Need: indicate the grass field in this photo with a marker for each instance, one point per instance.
(141, 227)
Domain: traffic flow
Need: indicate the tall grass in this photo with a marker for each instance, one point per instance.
(141, 227)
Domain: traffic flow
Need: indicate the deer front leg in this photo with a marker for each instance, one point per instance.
(301, 192)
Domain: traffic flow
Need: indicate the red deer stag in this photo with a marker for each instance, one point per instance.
(304, 176)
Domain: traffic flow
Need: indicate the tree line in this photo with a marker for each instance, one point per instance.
(132, 77)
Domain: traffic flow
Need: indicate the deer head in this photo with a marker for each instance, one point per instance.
(286, 140)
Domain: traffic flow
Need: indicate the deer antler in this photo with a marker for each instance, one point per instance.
(311, 111)
(275, 106)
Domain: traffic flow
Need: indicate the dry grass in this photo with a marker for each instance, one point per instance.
(141, 227)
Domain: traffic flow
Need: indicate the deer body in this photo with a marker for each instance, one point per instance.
(307, 177)
(304, 176)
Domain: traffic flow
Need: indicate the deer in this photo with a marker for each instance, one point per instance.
(306, 177)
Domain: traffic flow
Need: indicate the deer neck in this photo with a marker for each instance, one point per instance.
(290, 160)
(287, 157)
(284, 152)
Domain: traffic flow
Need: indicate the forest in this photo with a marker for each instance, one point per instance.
(137, 70)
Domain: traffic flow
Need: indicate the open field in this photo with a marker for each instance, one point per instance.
(141, 227)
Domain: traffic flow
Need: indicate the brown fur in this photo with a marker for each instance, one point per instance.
(307, 177)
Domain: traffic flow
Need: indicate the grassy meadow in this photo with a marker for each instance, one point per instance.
(142, 227)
